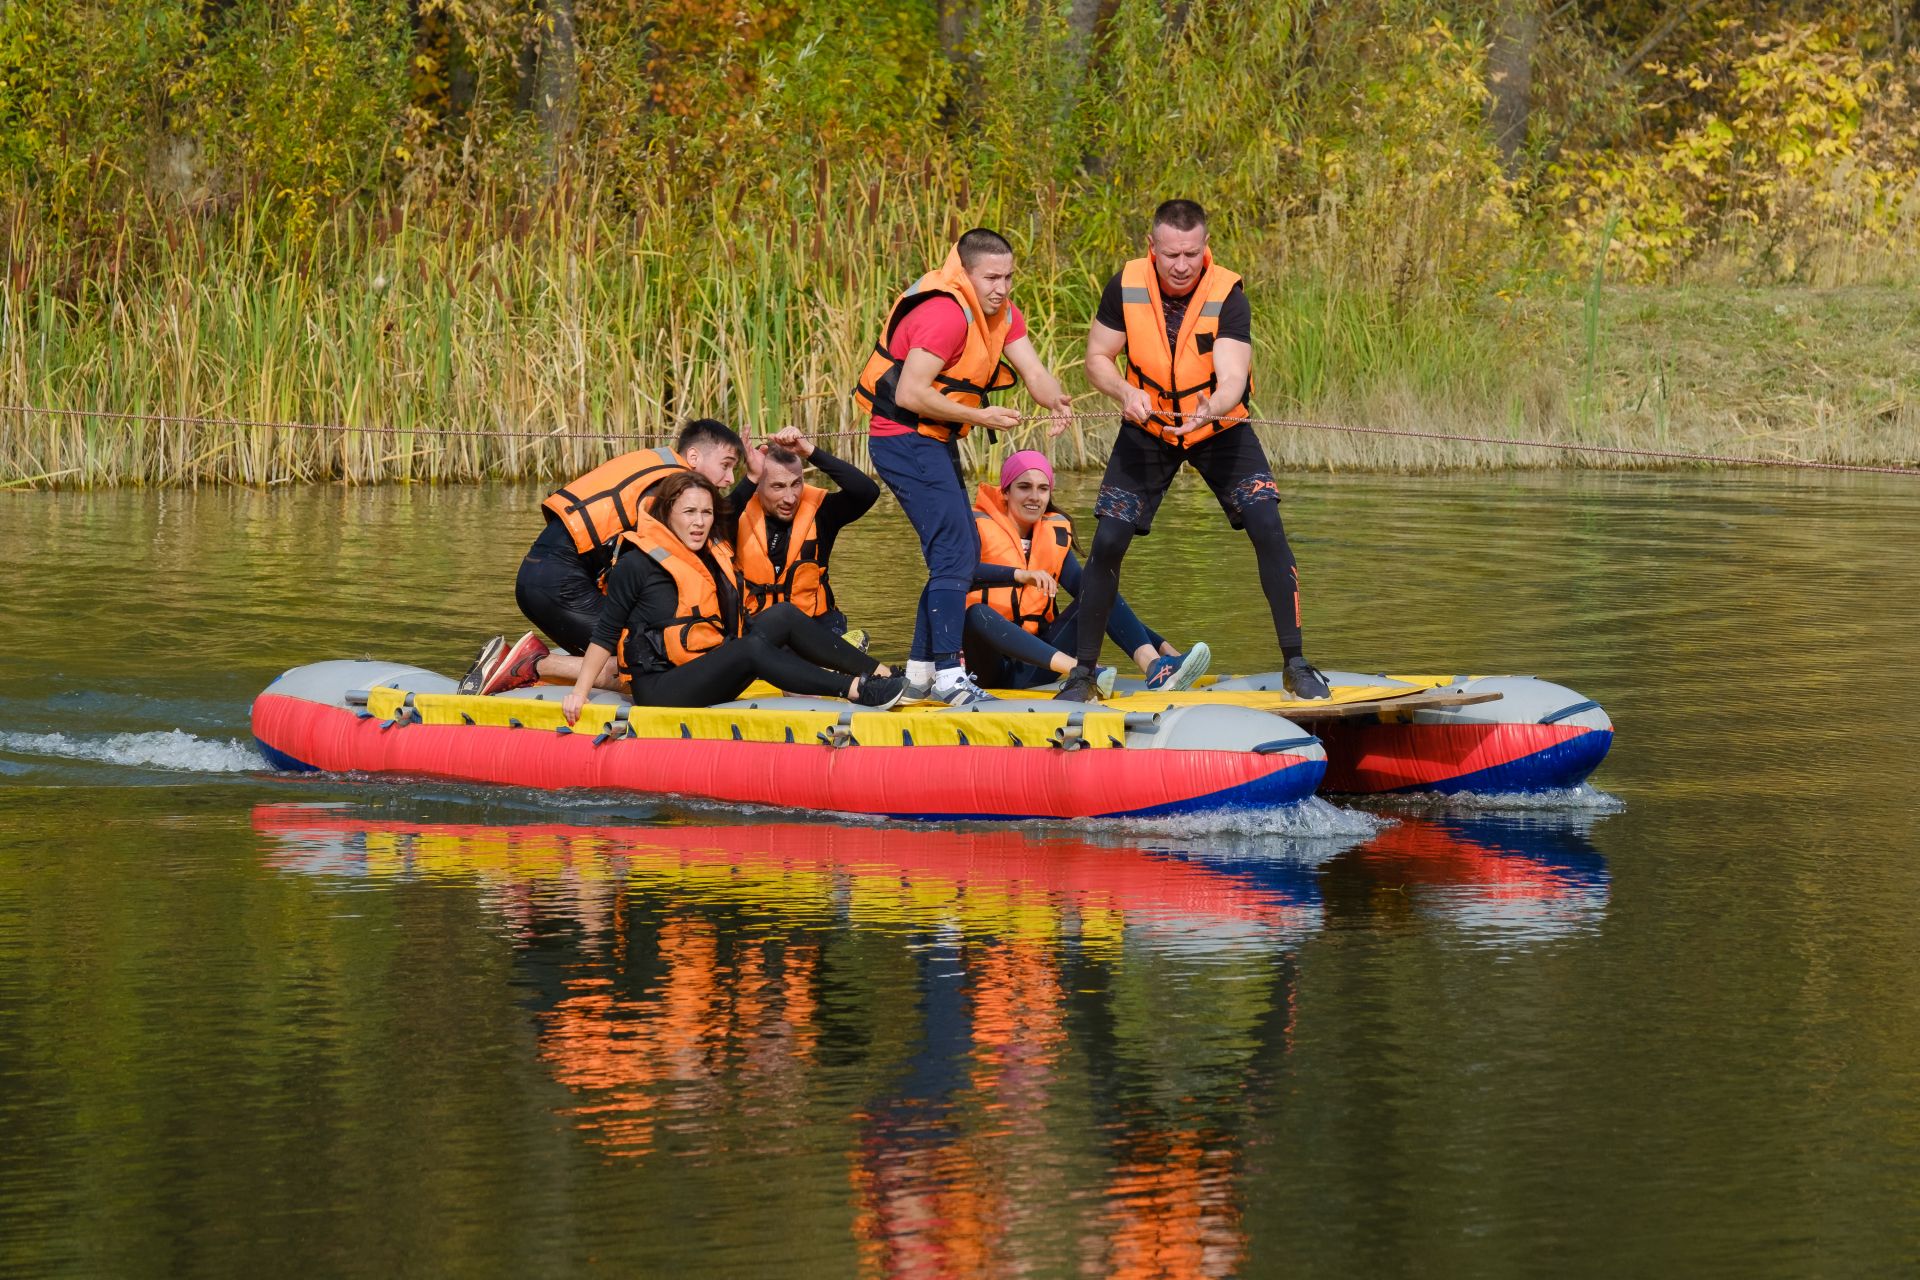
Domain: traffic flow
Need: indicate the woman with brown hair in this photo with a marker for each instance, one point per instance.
(674, 619)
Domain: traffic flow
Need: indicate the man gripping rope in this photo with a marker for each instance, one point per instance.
(1185, 327)
(947, 346)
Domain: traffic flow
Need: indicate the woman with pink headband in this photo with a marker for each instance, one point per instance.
(1016, 635)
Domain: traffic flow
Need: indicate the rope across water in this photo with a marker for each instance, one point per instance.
(560, 434)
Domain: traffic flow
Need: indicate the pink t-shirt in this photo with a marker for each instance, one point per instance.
(939, 326)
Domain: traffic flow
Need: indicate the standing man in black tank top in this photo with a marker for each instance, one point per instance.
(1186, 330)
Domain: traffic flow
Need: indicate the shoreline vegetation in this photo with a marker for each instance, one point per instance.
(1688, 227)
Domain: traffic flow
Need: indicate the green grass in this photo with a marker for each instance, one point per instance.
(602, 329)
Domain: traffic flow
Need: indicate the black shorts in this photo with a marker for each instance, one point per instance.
(558, 594)
(1142, 466)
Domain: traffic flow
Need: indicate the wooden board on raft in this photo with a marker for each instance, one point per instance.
(1307, 712)
(1348, 703)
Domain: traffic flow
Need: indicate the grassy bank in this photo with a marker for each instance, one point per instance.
(604, 333)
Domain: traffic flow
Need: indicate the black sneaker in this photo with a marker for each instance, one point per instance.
(1078, 688)
(1304, 681)
(477, 673)
(880, 692)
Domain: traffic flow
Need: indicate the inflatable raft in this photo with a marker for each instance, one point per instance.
(1014, 759)
(1235, 744)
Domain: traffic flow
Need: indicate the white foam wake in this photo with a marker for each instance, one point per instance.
(171, 749)
(1312, 819)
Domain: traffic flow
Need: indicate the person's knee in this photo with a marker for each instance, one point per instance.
(1262, 523)
(777, 622)
(1111, 538)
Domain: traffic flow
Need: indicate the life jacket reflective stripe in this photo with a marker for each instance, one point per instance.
(1176, 377)
(606, 502)
(975, 375)
(1025, 606)
(803, 579)
(699, 624)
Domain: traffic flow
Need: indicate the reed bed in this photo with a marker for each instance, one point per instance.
(446, 347)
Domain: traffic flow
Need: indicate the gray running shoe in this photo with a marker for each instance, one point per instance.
(1304, 681)
(959, 692)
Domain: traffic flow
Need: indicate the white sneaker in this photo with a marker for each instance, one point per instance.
(1103, 681)
(957, 689)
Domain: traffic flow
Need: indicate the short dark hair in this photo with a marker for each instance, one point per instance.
(981, 243)
(708, 431)
(668, 492)
(784, 456)
(1180, 215)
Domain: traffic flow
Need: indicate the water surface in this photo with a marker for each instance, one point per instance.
(258, 1023)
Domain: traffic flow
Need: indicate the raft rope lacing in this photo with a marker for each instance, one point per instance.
(1108, 415)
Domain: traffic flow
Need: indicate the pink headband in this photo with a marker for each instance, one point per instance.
(1022, 462)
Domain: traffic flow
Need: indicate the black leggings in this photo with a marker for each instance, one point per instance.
(783, 646)
(1100, 580)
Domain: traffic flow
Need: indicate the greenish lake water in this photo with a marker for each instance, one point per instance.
(1669, 1025)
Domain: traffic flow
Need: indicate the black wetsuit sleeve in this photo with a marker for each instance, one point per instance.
(743, 489)
(1111, 314)
(640, 596)
(854, 498)
(1236, 316)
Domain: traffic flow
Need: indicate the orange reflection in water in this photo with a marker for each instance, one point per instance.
(969, 1178)
(1173, 1208)
(703, 1016)
(938, 1194)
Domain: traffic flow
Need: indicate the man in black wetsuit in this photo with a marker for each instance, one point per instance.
(559, 584)
(1185, 327)
(774, 501)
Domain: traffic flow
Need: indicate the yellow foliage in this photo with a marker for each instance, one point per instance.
(1798, 142)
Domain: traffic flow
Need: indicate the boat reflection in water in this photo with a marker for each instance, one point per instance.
(1507, 878)
(1033, 1052)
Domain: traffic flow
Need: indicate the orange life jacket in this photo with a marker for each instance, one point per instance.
(699, 624)
(978, 372)
(803, 579)
(606, 502)
(1176, 378)
(1027, 606)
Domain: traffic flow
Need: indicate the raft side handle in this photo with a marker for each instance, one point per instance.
(355, 697)
(1142, 722)
(1279, 745)
(1574, 710)
(1071, 736)
(840, 733)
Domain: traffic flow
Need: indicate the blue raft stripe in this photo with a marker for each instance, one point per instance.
(282, 761)
(1564, 764)
(1574, 710)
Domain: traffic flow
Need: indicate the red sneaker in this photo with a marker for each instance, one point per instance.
(519, 668)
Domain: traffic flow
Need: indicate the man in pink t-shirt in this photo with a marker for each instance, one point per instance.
(939, 327)
(940, 365)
